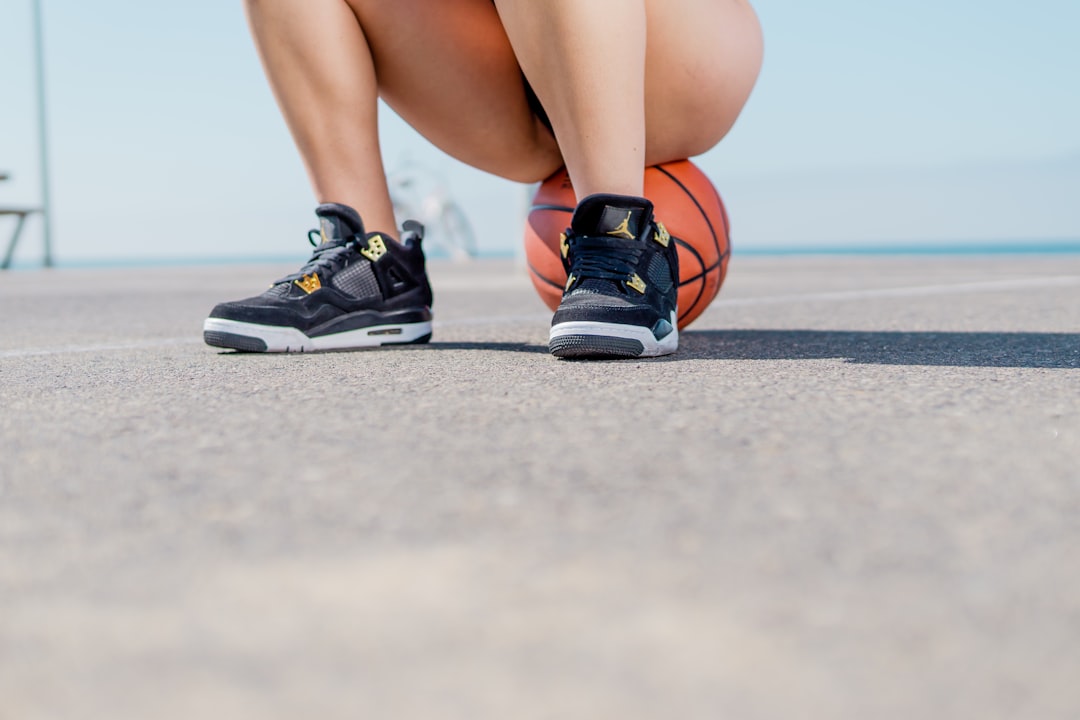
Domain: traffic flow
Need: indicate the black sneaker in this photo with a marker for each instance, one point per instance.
(358, 290)
(622, 283)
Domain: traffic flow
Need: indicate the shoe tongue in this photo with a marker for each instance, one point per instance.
(338, 223)
(620, 216)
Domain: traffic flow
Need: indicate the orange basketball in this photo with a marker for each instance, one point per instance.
(686, 203)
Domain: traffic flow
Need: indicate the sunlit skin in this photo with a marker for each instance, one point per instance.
(626, 83)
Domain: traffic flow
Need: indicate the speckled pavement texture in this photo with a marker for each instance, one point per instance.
(854, 493)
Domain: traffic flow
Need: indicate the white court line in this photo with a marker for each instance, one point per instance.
(904, 292)
(836, 296)
(492, 320)
(107, 347)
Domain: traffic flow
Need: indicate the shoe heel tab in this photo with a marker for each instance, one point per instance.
(412, 234)
(617, 215)
(339, 221)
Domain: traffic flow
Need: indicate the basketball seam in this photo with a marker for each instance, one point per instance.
(556, 208)
(721, 255)
(552, 283)
(700, 275)
(724, 218)
(537, 275)
(704, 215)
(701, 262)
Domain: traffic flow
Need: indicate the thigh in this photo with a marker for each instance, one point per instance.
(702, 60)
(447, 68)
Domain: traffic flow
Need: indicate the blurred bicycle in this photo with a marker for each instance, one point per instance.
(420, 194)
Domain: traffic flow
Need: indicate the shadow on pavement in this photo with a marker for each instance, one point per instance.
(493, 346)
(948, 349)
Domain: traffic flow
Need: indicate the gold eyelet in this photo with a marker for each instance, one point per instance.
(375, 249)
(309, 283)
(662, 235)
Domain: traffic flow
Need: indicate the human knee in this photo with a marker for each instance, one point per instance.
(520, 160)
(535, 168)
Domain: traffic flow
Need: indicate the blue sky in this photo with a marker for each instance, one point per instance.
(873, 123)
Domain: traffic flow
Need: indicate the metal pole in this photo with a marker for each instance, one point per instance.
(43, 134)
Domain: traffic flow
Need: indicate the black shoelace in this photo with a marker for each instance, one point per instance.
(603, 258)
(329, 255)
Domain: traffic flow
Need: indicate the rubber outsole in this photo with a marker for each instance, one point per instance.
(233, 342)
(594, 346)
(252, 338)
(586, 339)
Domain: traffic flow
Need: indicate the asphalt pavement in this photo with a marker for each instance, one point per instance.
(853, 493)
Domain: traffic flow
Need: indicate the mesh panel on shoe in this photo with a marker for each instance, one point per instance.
(599, 293)
(357, 280)
(279, 290)
(597, 287)
(601, 301)
(659, 274)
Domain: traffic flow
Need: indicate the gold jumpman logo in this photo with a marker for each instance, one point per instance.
(624, 228)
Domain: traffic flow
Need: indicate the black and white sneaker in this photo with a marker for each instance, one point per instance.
(622, 283)
(358, 290)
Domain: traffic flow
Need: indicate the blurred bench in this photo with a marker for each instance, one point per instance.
(20, 214)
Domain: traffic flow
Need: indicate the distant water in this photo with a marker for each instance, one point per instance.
(1013, 247)
(195, 261)
(1009, 247)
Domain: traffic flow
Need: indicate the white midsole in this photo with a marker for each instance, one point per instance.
(289, 339)
(652, 346)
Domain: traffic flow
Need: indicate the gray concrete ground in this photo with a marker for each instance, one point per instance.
(853, 494)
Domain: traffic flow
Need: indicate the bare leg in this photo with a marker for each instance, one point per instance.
(586, 61)
(321, 70)
(446, 67)
(702, 62)
(635, 82)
